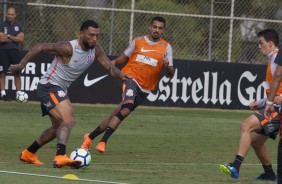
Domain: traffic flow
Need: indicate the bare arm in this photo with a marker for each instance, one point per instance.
(168, 61)
(18, 39)
(8, 39)
(120, 60)
(62, 50)
(106, 63)
(169, 69)
(125, 55)
(3, 38)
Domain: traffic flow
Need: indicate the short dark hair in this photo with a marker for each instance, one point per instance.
(269, 35)
(159, 19)
(88, 23)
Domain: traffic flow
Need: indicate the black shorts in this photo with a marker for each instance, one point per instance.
(8, 57)
(275, 121)
(131, 91)
(50, 95)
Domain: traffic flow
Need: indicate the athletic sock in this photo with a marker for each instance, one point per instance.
(96, 132)
(61, 149)
(107, 134)
(237, 162)
(3, 92)
(34, 147)
(268, 169)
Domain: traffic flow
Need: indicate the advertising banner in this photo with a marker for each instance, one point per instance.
(195, 84)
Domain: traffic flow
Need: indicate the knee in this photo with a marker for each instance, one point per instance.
(125, 111)
(114, 113)
(244, 127)
(69, 121)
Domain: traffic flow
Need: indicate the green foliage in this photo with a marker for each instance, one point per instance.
(188, 35)
(153, 145)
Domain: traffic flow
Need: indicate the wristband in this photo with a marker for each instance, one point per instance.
(268, 102)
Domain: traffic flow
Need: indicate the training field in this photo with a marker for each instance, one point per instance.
(152, 146)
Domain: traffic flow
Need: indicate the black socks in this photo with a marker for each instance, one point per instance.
(34, 147)
(237, 162)
(96, 132)
(61, 149)
(107, 134)
(268, 170)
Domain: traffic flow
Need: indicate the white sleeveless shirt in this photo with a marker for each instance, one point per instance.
(64, 74)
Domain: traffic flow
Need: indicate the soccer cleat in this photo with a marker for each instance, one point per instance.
(6, 98)
(64, 160)
(266, 177)
(87, 142)
(101, 147)
(229, 169)
(27, 156)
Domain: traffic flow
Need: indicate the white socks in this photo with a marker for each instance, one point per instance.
(3, 93)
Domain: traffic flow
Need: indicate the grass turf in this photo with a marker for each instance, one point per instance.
(152, 146)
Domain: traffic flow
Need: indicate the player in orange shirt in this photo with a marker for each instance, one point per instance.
(147, 56)
(256, 129)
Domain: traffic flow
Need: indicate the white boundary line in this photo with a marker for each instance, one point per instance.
(58, 177)
(160, 163)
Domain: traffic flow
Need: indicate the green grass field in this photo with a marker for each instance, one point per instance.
(152, 146)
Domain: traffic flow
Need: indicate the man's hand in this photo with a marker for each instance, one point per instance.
(277, 100)
(165, 62)
(125, 77)
(15, 68)
(169, 69)
(253, 105)
(268, 110)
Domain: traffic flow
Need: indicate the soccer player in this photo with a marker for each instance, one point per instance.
(256, 129)
(147, 56)
(71, 60)
(269, 108)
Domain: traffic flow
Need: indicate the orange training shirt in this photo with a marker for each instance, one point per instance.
(269, 74)
(145, 63)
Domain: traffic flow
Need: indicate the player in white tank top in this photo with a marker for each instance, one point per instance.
(64, 74)
(72, 59)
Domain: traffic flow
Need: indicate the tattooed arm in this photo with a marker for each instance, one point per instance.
(62, 50)
(106, 63)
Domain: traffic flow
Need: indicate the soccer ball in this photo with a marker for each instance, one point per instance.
(82, 155)
(22, 97)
